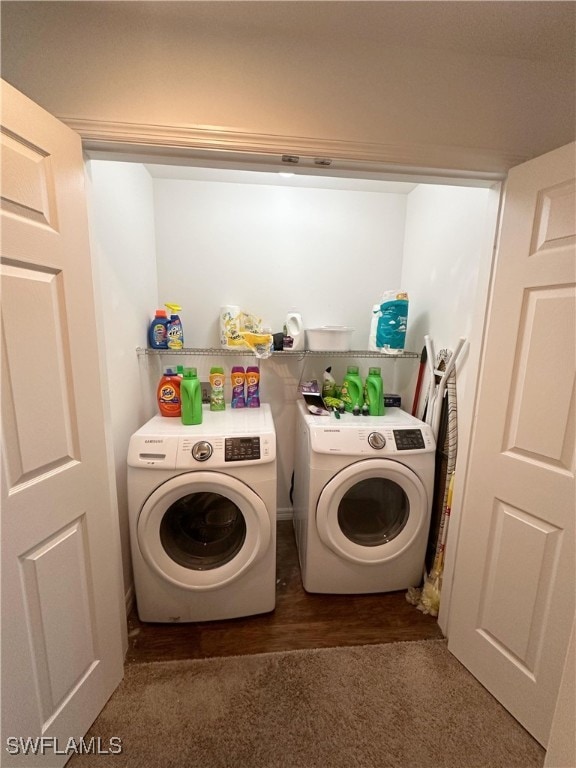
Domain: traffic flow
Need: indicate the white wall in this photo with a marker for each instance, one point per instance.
(444, 246)
(329, 253)
(123, 249)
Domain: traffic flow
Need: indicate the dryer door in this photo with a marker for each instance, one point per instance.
(202, 530)
(372, 511)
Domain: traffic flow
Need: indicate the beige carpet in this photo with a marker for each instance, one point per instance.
(399, 705)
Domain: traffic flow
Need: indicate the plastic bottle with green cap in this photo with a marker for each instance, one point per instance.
(375, 392)
(191, 395)
(217, 389)
(352, 392)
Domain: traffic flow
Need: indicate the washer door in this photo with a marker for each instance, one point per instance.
(371, 511)
(202, 530)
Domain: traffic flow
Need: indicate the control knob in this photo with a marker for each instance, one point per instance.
(201, 451)
(376, 440)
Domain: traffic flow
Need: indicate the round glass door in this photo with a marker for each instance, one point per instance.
(371, 511)
(202, 530)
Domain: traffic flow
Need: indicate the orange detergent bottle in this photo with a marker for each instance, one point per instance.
(168, 394)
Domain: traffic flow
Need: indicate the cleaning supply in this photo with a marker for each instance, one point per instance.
(328, 383)
(293, 331)
(238, 378)
(352, 392)
(158, 331)
(217, 389)
(191, 391)
(168, 394)
(252, 387)
(174, 331)
(374, 392)
(374, 328)
(392, 323)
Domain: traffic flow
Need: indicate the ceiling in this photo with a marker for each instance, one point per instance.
(518, 28)
(232, 176)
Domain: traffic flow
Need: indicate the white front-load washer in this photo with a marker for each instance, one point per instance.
(362, 500)
(202, 509)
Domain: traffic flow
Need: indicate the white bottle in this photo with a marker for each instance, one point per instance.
(294, 328)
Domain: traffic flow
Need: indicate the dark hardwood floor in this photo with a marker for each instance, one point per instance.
(300, 620)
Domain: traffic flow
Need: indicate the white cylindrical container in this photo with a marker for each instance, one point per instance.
(373, 328)
(294, 328)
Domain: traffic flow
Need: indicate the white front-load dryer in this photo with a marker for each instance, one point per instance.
(362, 500)
(202, 509)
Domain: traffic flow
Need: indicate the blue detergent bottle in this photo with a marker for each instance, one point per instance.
(174, 332)
(158, 331)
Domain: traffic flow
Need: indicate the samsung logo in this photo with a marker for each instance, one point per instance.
(153, 441)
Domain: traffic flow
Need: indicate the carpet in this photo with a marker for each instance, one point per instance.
(398, 705)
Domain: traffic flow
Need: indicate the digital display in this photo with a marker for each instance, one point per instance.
(408, 439)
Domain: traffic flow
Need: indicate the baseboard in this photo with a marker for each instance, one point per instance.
(284, 513)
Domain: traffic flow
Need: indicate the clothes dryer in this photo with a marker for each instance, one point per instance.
(363, 490)
(202, 509)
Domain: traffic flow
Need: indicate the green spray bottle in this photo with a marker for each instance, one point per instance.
(191, 397)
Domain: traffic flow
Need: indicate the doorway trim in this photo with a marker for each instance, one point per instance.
(310, 155)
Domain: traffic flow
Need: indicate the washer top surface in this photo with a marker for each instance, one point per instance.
(394, 417)
(232, 421)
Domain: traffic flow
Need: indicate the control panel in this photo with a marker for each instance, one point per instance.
(242, 448)
(408, 439)
(378, 439)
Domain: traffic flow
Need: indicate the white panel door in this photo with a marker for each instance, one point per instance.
(513, 597)
(61, 595)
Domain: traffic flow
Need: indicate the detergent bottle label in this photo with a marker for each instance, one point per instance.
(169, 402)
(159, 333)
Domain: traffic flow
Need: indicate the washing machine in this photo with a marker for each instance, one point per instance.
(202, 510)
(362, 500)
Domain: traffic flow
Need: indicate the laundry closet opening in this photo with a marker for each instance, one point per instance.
(325, 245)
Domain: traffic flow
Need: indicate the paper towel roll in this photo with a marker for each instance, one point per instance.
(230, 327)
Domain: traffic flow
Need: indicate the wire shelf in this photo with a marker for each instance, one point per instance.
(301, 353)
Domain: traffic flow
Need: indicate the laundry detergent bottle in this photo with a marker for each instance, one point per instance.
(374, 391)
(352, 392)
(158, 331)
(168, 394)
(293, 331)
(191, 391)
(238, 377)
(252, 387)
(217, 389)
